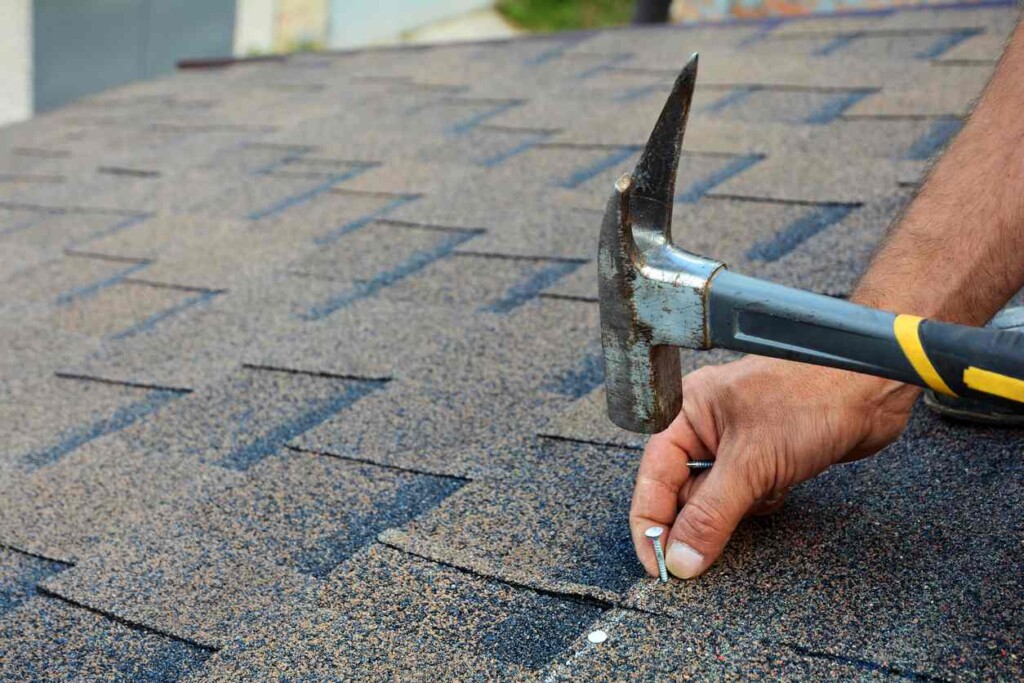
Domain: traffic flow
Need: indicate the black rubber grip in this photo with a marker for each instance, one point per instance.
(996, 356)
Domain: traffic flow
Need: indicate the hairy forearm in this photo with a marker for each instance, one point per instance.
(958, 252)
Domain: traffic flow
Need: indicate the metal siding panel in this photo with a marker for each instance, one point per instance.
(188, 29)
(82, 47)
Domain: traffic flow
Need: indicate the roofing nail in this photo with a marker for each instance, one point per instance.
(655, 533)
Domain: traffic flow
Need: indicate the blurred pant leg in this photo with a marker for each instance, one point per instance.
(651, 11)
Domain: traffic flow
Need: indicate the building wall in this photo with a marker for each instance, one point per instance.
(81, 47)
(302, 24)
(15, 60)
(254, 27)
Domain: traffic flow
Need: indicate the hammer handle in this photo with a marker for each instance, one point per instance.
(754, 316)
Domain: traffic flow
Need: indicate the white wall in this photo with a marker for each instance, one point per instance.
(365, 22)
(15, 60)
(254, 26)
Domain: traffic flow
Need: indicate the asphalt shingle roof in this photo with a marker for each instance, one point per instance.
(301, 374)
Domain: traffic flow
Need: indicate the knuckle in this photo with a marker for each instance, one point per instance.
(757, 469)
(703, 520)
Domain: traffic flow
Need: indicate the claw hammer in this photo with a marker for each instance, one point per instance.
(655, 296)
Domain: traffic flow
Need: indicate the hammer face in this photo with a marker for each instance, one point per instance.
(642, 380)
(653, 299)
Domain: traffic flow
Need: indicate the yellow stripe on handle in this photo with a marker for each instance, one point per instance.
(905, 327)
(993, 383)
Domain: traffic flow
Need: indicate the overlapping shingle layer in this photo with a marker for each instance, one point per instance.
(301, 374)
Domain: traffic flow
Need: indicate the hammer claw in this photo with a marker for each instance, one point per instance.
(654, 178)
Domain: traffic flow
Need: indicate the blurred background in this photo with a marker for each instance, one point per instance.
(53, 51)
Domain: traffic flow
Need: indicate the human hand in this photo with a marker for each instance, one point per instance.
(768, 424)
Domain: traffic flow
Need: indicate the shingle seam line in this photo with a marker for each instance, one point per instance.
(315, 373)
(394, 222)
(374, 193)
(136, 626)
(863, 664)
(77, 253)
(28, 206)
(897, 117)
(776, 200)
(130, 172)
(120, 383)
(590, 442)
(877, 33)
(568, 297)
(521, 257)
(569, 597)
(374, 463)
(170, 285)
(40, 556)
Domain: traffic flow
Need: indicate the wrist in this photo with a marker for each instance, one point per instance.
(881, 393)
(866, 393)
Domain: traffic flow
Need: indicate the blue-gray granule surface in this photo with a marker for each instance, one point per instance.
(300, 368)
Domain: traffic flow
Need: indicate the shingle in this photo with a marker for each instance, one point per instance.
(52, 227)
(996, 18)
(55, 416)
(99, 491)
(498, 379)
(371, 338)
(916, 102)
(552, 231)
(121, 309)
(642, 647)
(31, 348)
(260, 545)
(831, 179)
(246, 416)
(552, 545)
(185, 585)
(985, 47)
(482, 282)
(390, 615)
(831, 261)
(825, 23)
(63, 280)
(181, 192)
(371, 261)
(19, 575)
(50, 640)
(211, 329)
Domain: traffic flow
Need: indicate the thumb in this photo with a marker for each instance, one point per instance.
(708, 519)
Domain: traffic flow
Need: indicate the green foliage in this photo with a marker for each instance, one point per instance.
(565, 15)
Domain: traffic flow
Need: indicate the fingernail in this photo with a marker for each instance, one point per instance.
(683, 561)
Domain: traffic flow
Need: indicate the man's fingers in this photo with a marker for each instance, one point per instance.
(663, 473)
(707, 521)
(654, 502)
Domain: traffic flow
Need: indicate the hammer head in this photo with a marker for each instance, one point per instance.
(653, 295)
